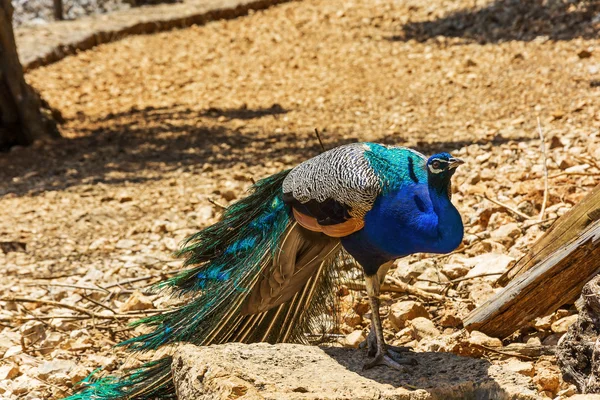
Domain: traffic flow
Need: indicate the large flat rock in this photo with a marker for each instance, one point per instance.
(287, 371)
(45, 44)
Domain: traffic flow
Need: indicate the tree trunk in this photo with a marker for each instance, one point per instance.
(21, 118)
(58, 10)
(578, 351)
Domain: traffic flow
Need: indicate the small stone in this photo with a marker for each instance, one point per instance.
(96, 244)
(432, 279)
(563, 324)
(24, 384)
(454, 271)
(543, 323)
(552, 340)
(170, 244)
(136, 302)
(422, 328)
(408, 272)
(584, 54)
(228, 195)
(480, 291)
(352, 319)
(125, 244)
(555, 143)
(354, 339)
(361, 307)
(33, 331)
(521, 367)
(205, 213)
(506, 234)
(547, 376)
(490, 263)
(481, 339)
(52, 340)
(55, 366)
(79, 373)
(9, 372)
(107, 363)
(404, 311)
(450, 320)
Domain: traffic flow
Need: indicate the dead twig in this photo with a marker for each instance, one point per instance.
(98, 304)
(543, 147)
(575, 174)
(466, 278)
(509, 208)
(505, 353)
(97, 288)
(398, 286)
(216, 204)
(319, 138)
(50, 303)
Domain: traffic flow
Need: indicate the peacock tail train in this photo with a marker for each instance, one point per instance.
(255, 275)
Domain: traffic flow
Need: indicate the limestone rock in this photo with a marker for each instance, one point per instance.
(490, 263)
(563, 324)
(353, 339)
(547, 376)
(136, 302)
(423, 328)
(506, 234)
(404, 311)
(287, 371)
(481, 339)
(521, 367)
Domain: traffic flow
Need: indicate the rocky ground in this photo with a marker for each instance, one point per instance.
(161, 130)
(36, 12)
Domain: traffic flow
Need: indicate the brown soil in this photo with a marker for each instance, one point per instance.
(157, 125)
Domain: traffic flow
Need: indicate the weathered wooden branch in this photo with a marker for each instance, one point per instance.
(565, 229)
(550, 275)
(578, 351)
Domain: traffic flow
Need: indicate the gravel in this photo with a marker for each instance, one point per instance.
(36, 12)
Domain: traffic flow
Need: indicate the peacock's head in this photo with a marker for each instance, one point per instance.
(440, 168)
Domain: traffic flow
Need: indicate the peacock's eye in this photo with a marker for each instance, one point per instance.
(435, 164)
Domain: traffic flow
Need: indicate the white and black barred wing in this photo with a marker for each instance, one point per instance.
(334, 186)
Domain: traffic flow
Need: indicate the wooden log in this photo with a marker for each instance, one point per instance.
(555, 280)
(565, 229)
(578, 351)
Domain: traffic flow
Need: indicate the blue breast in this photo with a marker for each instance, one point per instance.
(403, 222)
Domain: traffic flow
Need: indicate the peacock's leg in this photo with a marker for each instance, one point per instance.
(383, 355)
(371, 341)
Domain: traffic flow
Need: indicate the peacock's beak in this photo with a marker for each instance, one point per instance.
(454, 162)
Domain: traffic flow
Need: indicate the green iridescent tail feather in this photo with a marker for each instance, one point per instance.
(226, 261)
(149, 381)
(228, 257)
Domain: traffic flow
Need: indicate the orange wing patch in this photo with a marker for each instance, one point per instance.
(340, 230)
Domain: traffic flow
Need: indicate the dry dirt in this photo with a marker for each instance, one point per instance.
(157, 126)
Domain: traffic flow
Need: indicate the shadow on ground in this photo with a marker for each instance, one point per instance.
(443, 375)
(141, 145)
(505, 20)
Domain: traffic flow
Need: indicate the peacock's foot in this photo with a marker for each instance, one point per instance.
(371, 344)
(391, 359)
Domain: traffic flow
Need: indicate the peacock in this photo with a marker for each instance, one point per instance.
(265, 271)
